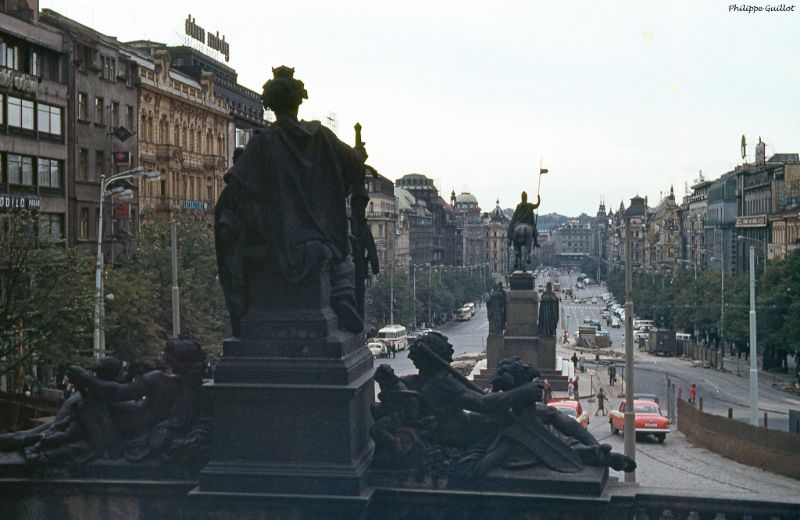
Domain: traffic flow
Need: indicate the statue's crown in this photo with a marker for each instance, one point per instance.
(283, 72)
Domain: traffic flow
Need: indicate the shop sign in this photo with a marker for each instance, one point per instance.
(19, 202)
(751, 221)
(214, 41)
(122, 159)
(195, 204)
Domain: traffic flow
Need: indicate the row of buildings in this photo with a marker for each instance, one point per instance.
(77, 105)
(413, 225)
(713, 226)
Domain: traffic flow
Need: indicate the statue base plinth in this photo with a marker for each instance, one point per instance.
(291, 399)
(521, 281)
(522, 313)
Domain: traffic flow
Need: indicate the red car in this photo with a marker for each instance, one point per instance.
(648, 419)
(571, 408)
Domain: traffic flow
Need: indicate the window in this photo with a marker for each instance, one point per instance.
(51, 226)
(20, 170)
(49, 119)
(129, 117)
(115, 113)
(49, 173)
(109, 68)
(20, 113)
(10, 56)
(99, 111)
(34, 65)
(99, 163)
(83, 164)
(83, 106)
(83, 232)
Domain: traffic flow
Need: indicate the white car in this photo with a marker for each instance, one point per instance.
(377, 349)
(594, 301)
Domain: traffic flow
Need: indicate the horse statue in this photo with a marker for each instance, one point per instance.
(522, 240)
(522, 232)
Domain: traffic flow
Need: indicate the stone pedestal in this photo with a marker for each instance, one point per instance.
(522, 312)
(291, 398)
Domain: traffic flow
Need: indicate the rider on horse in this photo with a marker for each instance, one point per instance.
(524, 214)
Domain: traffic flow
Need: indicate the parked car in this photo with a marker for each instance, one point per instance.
(572, 409)
(594, 300)
(649, 420)
(615, 323)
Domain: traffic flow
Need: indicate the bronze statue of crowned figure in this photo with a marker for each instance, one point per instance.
(522, 233)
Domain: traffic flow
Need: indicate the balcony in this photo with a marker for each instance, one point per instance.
(390, 215)
(213, 162)
(168, 152)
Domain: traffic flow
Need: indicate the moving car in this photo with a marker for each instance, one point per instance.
(377, 349)
(615, 323)
(572, 409)
(649, 420)
(463, 314)
(594, 300)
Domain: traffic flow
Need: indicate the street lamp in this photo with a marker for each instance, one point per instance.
(753, 350)
(98, 344)
(636, 209)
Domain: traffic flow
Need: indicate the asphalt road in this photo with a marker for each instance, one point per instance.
(465, 336)
(720, 390)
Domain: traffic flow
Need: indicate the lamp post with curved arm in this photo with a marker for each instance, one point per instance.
(98, 343)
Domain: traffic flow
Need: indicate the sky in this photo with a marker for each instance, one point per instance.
(614, 98)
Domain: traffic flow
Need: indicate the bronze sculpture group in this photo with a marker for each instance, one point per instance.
(284, 211)
(439, 423)
(122, 413)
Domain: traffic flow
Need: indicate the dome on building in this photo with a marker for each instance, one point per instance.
(466, 200)
(497, 215)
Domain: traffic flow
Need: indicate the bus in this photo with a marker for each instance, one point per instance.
(394, 335)
(643, 325)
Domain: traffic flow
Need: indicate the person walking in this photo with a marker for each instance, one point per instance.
(571, 389)
(601, 402)
(577, 388)
(574, 360)
(692, 393)
(612, 374)
(547, 391)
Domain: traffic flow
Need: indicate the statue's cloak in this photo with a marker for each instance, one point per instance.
(523, 214)
(290, 186)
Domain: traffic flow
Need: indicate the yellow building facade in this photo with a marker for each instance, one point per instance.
(185, 133)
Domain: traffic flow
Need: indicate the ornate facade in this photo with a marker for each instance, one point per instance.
(496, 230)
(185, 132)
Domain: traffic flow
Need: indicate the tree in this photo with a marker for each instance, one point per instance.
(46, 297)
(139, 320)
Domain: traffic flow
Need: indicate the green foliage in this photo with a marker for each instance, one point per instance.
(442, 290)
(682, 303)
(139, 319)
(46, 297)
(592, 266)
